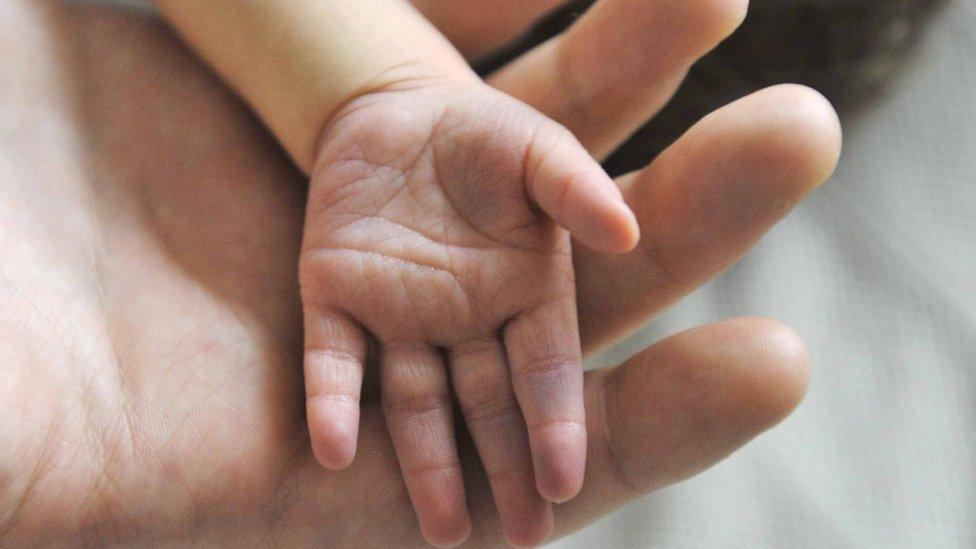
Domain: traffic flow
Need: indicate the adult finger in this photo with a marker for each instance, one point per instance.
(680, 407)
(475, 27)
(618, 65)
(705, 201)
(669, 412)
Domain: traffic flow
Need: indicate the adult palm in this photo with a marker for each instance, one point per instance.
(150, 331)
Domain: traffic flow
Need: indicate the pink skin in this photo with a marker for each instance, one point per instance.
(432, 226)
(149, 315)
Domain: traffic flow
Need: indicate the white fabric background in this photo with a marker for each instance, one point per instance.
(878, 272)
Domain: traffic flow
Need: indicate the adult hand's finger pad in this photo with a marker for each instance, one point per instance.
(691, 400)
(788, 133)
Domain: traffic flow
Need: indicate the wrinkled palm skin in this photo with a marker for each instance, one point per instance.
(151, 383)
(150, 329)
(419, 225)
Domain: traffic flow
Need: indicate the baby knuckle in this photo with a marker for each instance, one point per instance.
(497, 406)
(546, 365)
(414, 403)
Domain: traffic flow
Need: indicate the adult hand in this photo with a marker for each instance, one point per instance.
(150, 333)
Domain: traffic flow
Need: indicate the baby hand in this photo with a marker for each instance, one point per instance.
(432, 226)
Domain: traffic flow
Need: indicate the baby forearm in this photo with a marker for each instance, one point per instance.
(297, 61)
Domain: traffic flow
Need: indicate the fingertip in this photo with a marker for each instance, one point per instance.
(779, 370)
(605, 224)
(447, 538)
(692, 399)
(528, 520)
(334, 457)
(613, 217)
(444, 524)
(559, 457)
(819, 134)
(333, 436)
(532, 536)
(625, 232)
(576, 192)
(791, 136)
